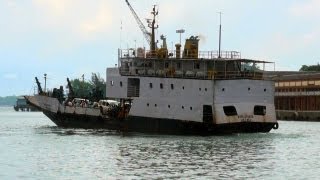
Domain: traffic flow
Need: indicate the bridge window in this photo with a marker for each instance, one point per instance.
(260, 110)
(230, 111)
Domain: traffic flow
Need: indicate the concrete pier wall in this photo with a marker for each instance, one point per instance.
(298, 115)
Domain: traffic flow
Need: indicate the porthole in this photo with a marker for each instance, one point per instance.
(120, 83)
(161, 86)
(265, 90)
(150, 85)
(223, 89)
(249, 89)
(155, 105)
(205, 89)
(191, 108)
(169, 106)
(199, 89)
(182, 87)
(148, 104)
(182, 107)
(172, 87)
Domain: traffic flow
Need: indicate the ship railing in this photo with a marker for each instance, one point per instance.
(173, 54)
(210, 74)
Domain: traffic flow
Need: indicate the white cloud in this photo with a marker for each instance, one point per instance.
(10, 76)
(308, 8)
(11, 4)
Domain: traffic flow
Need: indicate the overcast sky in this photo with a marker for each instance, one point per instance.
(68, 38)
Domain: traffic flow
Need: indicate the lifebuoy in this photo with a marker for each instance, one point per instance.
(276, 126)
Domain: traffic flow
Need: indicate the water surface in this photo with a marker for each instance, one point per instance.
(32, 147)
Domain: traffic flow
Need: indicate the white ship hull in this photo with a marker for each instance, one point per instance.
(197, 101)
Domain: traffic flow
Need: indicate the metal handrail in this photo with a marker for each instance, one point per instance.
(132, 53)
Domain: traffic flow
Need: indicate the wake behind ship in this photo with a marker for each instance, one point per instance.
(182, 91)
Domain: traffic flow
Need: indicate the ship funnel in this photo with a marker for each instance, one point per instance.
(191, 48)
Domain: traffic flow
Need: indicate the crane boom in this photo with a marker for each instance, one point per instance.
(146, 34)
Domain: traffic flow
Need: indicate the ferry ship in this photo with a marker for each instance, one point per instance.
(182, 91)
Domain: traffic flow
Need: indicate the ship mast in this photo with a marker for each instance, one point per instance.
(153, 28)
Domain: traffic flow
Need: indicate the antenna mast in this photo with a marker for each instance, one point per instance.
(220, 37)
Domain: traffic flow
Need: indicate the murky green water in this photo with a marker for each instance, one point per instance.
(31, 147)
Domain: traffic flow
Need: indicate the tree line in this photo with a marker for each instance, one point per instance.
(93, 89)
(310, 68)
(8, 101)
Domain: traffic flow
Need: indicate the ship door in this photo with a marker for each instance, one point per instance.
(207, 114)
(133, 87)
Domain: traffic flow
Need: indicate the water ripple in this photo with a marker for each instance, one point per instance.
(33, 148)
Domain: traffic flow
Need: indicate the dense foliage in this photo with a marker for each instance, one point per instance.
(310, 68)
(93, 89)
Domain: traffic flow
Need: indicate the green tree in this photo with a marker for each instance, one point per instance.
(81, 88)
(310, 68)
(98, 90)
(93, 89)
